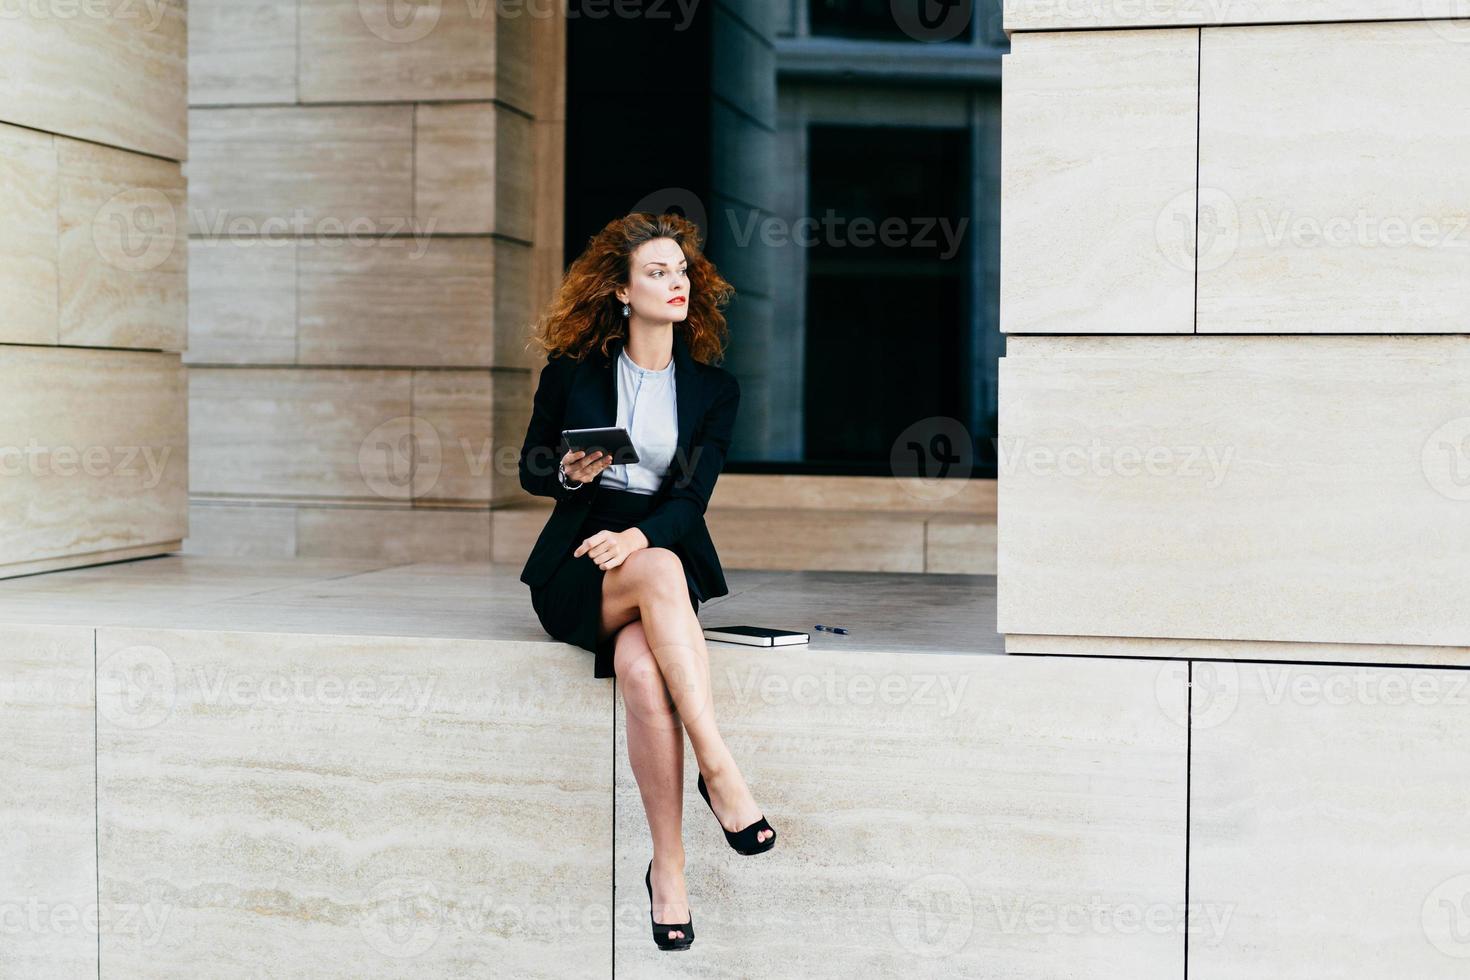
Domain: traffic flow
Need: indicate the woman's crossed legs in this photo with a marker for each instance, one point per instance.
(662, 664)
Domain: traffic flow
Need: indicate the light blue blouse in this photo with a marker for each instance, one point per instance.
(648, 409)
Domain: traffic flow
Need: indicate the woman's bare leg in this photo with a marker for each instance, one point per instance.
(656, 753)
(649, 585)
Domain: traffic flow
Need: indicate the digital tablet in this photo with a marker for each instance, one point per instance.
(615, 442)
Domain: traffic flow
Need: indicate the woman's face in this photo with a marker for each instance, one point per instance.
(658, 282)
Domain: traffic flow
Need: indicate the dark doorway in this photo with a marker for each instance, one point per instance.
(638, 110)
(886, 335)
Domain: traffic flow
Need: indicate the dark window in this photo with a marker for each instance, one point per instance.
(894, 20)
(629, 133)
(886, 323)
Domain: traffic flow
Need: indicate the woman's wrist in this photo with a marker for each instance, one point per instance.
(561, 475)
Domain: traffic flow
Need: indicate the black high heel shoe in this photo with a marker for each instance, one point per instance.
(687, 928)
(744, 840)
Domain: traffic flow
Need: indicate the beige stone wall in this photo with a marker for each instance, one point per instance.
(375, 215)
(1234, 406)
(303, 805)
(1235, 437)
(1054, 15)
(93, 454)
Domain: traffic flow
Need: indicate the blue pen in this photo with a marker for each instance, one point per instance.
(831, 629)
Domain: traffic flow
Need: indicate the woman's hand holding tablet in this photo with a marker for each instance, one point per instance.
(612, 442)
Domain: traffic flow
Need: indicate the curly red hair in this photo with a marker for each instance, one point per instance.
(585, 313)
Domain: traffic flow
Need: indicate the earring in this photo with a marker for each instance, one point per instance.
(627, 310)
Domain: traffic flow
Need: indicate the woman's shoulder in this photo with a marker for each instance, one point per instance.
(560, 364)
(719, 378)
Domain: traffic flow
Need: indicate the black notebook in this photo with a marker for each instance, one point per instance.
(755, 636)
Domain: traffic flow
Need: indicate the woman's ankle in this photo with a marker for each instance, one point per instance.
(669, 861)
(719, 768)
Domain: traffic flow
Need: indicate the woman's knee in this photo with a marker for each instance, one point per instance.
(631, 652)
(659, 570)
(639, 676)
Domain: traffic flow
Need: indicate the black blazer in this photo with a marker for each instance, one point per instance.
(582, 395)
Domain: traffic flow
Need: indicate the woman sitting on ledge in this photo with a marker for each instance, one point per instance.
(625, 558)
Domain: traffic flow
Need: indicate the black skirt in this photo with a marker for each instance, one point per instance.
(569, 604)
